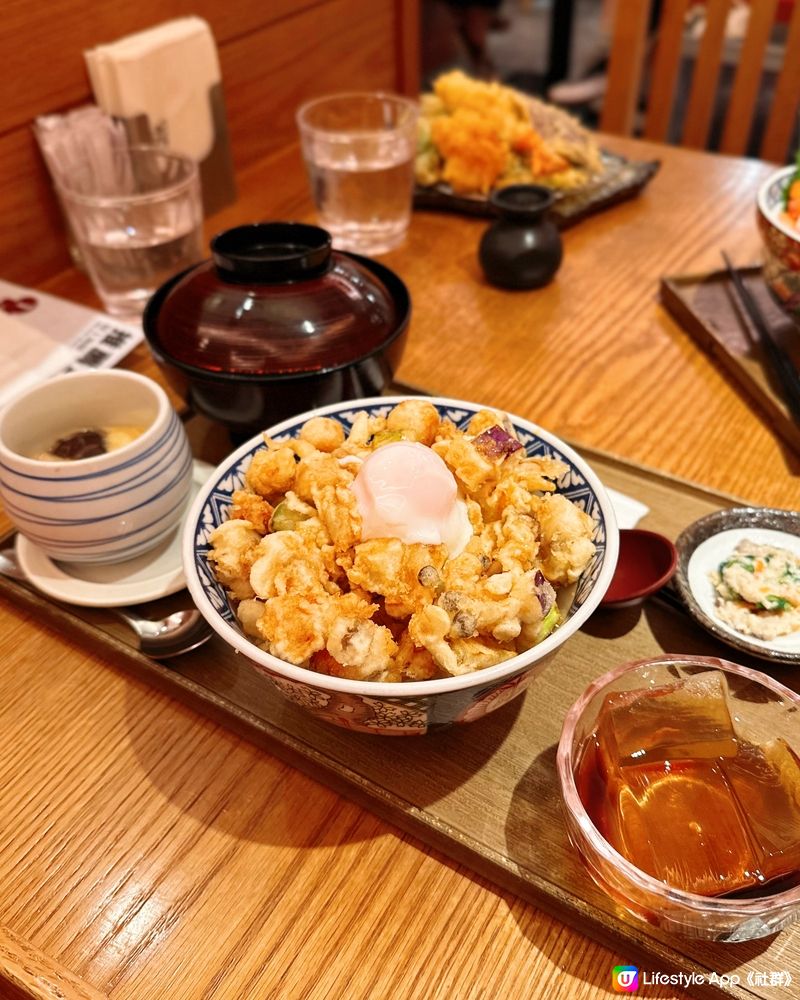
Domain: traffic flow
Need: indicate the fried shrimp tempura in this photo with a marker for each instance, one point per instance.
(474, 154)
(476, 136)
(310, 590)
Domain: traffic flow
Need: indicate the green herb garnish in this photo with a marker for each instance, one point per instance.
(772, 602)
(747, 562)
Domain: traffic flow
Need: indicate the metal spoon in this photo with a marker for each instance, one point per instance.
(165, 637)
(170, 636)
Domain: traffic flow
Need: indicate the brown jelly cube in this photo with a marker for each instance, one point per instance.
(766, 783)
(687, 720)
(680, 823)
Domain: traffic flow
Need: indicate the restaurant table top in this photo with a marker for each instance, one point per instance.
(148, 852)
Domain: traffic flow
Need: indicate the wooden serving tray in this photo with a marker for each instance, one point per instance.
(484, 794)
(705, 305)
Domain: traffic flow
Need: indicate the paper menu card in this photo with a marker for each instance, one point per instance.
(43, 335)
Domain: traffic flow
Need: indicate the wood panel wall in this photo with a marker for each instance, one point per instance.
(273, 54)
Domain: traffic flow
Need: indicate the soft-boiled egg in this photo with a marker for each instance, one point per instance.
(404, 490)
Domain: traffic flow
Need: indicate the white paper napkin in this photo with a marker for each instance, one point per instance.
(627, 510)
(164, 73)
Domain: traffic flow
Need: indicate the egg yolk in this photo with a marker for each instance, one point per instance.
(404, 490)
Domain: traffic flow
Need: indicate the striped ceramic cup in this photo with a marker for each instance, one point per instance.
(106, 507)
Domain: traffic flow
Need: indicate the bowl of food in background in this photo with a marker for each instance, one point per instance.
(95, 466)
(275, 323)
(680, 779)
(397, 565)
(778, 215)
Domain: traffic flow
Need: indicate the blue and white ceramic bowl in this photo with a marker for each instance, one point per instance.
(421, 706)
(107, 508)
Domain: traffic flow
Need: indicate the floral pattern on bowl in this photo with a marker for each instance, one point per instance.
(411, 708)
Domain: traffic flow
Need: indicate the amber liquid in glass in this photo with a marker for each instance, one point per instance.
(673, 787)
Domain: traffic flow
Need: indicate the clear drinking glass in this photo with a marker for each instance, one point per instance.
(137, 216)
(359, 151)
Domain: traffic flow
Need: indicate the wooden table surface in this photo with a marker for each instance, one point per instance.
(145, 852)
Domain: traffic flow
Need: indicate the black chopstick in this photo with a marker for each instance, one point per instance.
(781, 364)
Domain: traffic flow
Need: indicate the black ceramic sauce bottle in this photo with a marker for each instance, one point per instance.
(522, 248)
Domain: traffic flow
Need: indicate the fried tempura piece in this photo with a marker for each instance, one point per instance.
(286, 564)
(271, 471)
(414, 663)
(465, 462)
(543, 159)
(251, 507)
(428, 628)
(318, 471)
(364, 649)
(394, 569)
(340, 627)
(483, 420)
(362, 429)
(294, 626)
(503, 105)
(249, 614)
(478, 653)
(566, 544)
(565, 135)
(234, 545)
(516, 540)
(498, 605)
(323, 433)
(464, 572)
(338, 512)
(418, 419)
(516, 482)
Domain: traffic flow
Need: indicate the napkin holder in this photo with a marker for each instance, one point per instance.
(164, 85)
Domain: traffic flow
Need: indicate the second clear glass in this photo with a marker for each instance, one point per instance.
(359, 151)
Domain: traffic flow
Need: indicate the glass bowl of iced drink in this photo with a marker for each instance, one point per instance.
(681, 785)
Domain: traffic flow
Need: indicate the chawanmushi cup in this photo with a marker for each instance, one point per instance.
(762, 709)
(107, 508)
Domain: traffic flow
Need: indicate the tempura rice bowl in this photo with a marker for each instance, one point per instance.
(413, 707)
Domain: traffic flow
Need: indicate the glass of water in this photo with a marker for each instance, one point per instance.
(137, 215)
(359, 151)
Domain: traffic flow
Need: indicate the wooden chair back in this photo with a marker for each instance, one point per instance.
(631, 50)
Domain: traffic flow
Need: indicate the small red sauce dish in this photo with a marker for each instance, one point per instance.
(647, 560)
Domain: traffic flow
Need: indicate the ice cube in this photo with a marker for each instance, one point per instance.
(766, 783)
(679, 822)
(689, 719)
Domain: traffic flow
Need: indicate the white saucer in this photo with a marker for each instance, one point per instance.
(154, 574)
